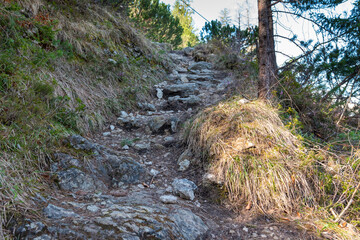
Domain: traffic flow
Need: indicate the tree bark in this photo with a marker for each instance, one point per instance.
(267, 58)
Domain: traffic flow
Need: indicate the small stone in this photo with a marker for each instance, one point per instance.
(112, 127)
(148, 163)
(140, 186)
(159, 93)
(159, 146)
(197, 204)
(142, 146)
(254, 235)
(231, 231)
(168, 199)
(245, 229)
(43, 237)
(126, 147)
(184, 188)
(92, 208)
(184, 79)
(105, 134)
(154, 172)
(124, 114)
(110, 60)
(169, 189)
(263, 236)
(243, 101)
(169, 139)
(184, 165)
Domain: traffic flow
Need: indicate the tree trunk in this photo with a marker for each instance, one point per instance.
(267, 59)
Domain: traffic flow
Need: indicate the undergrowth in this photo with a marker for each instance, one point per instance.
(269, 167)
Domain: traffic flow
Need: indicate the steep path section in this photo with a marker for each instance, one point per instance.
(137, 182)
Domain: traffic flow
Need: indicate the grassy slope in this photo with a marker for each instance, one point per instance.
(65, 67)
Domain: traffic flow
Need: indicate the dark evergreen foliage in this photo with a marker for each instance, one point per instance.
(157, 21)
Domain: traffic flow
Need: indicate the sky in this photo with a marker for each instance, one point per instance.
(286, 25)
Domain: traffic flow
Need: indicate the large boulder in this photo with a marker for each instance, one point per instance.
(74, 180)
(124, 169)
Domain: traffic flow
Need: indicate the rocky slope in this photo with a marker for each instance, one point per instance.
(138, 183)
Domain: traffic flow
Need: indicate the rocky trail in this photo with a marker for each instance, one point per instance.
(139, 183)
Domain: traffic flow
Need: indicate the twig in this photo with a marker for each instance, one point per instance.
(1, 229)
(333, 213)
(348, 205)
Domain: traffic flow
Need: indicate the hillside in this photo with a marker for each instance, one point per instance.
(107, 135)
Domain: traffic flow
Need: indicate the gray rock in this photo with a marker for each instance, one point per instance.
(200, 77)
(184, 79)
(184, 188)
(174, 124)
(129, 237)
(183, 89)
(185, 155)
(159, 93)
(156, 123)
(110, 60)
(168, 199)
(65, 161)
(30, 229)
(142, 146)
(200, 66)
(188, 51)
(55, 212)
(105, 134)
(209, 179)
(43, 237)
(180, 69)
(125, 169)
(92, 208)
(191, 100)
(154, 172)
(190, 225)
(173, 77)
(147, 106)
(124, 114)
(79, 142)
(184, 165)
(169, 139)
(74, 180)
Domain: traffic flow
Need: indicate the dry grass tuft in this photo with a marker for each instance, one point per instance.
(254, 155)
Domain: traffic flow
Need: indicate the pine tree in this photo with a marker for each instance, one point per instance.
(157, 21)
(182, 11)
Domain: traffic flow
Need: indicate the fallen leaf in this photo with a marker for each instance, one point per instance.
(248, 207)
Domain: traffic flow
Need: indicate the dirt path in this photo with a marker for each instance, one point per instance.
(139, 184)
